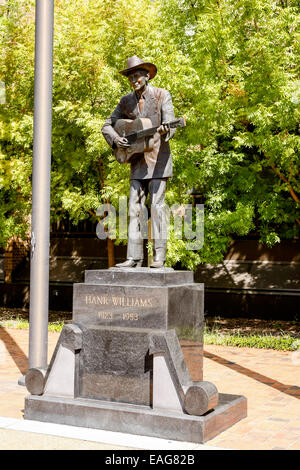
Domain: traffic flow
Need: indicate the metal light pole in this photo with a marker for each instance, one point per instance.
(40, 216)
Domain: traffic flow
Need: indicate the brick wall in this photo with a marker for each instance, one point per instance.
(14, 253)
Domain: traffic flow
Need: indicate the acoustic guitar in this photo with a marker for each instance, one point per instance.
(140, 135)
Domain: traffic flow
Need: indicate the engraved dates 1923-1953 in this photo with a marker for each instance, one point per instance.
(124, 316)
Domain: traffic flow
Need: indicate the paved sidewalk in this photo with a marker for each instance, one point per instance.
(13, 439)
(269, 379)
(32, 435)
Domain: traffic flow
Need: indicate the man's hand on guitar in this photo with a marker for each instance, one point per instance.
(163, 129)
(121, 142)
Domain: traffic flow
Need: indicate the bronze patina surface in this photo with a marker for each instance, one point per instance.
(151, 169)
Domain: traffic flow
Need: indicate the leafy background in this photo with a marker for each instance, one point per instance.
(232, 67)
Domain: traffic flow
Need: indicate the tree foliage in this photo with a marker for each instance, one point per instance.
(232, 67)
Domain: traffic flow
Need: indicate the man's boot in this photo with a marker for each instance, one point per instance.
(157, 264)
(159, 249)
(130, 263)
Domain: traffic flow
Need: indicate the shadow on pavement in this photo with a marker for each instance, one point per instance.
(291, 390)
(16, 353)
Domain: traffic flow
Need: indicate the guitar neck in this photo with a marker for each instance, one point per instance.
(180, 122)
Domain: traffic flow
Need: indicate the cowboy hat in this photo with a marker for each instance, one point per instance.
(134, 63)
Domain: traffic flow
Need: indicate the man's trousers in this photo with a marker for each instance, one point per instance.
(138, 216)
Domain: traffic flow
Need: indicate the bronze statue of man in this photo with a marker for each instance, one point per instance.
(151, 169)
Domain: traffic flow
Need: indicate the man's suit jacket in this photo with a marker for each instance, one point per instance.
(158, 107)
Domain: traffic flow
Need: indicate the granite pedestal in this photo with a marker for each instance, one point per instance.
(119, 366)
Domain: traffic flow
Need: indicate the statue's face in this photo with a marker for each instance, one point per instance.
(138, 79)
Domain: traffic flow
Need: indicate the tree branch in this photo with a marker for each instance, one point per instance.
(283, 178)
(193, 8)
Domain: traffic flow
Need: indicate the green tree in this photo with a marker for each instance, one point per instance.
(240, 89)
(16, 74)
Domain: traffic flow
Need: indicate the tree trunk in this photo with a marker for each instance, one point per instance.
(111, 253)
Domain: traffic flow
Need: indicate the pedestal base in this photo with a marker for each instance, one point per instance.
(138, 420)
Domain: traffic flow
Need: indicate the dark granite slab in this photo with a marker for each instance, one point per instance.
(139, 306)
(139, 276)
(114, 365)
(138, 420)
(123, 306)
(186, 307)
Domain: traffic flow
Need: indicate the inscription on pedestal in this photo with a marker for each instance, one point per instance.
(118, 301)
(122, 306)
(112, 302)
